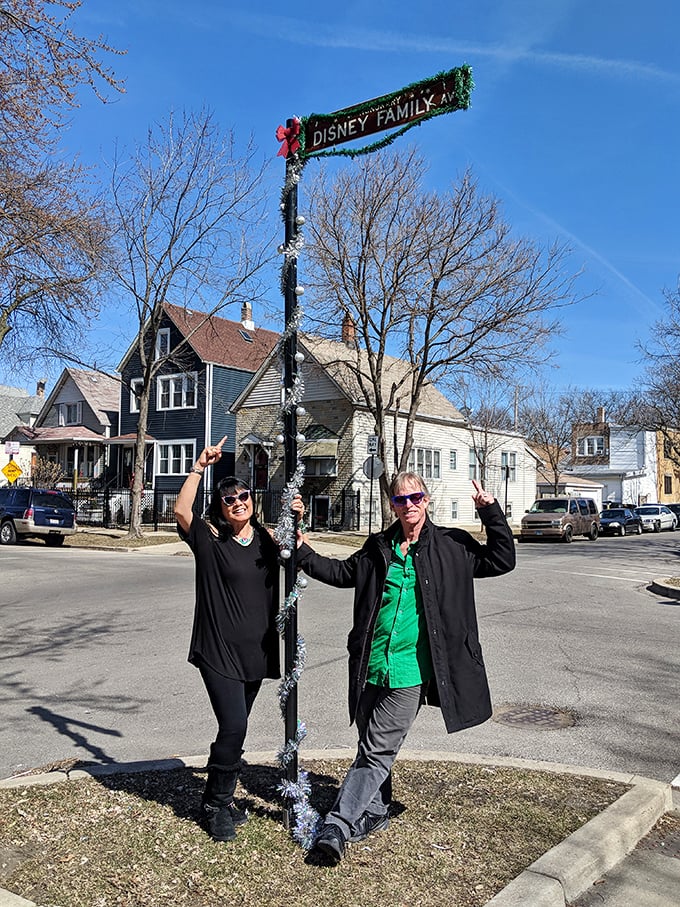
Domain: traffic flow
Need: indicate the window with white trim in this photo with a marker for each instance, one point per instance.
(136, 386)
(70, 413)
(453, 460)
(426, 461)
(591, 446)
(176, 391)
(476, 464)
(175, 459)
(509, 465)
(454, 510)
(320, 466)
(163, 343)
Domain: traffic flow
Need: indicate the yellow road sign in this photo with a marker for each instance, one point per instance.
(12, 471)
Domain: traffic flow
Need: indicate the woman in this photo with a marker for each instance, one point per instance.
(234, 643)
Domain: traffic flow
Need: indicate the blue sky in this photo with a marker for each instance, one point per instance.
(573, 125)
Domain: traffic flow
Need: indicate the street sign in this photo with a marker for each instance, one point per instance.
(443, 93)
(373, 467)
(12, 471)
(372, 444)
(12, 448)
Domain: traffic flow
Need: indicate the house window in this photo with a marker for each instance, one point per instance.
(136, 386)
(70, 413)
(426, 462)
(508, 510)
(177, 391)
(509, 465)
(454, 510)
(453, 460)
(175, 459)
(320, 466)
(668, 484)
(476, 467)
(591, 446)
(667, 448)
(163, 343)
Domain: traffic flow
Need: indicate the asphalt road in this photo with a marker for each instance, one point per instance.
(93, 659)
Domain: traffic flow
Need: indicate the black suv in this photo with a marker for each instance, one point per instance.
(34, 512)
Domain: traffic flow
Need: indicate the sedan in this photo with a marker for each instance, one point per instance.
(619, 521)
(656, 517)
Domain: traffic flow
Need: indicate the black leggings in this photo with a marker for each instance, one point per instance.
(231, 701)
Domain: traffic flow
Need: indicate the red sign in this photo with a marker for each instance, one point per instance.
(440, 94)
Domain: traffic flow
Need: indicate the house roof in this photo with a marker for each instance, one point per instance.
(15, 406)
(100, 391)
(60, 434)
(340, 363)
(223, 342)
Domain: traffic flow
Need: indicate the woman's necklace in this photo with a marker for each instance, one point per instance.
(244, 542)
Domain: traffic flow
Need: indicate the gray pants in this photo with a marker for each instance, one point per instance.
(384, 718)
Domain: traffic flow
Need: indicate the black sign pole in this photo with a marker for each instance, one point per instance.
(290, 454)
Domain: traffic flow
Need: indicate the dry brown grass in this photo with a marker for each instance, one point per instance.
(460, 834)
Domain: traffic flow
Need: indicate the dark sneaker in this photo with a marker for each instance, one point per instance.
(238, 816)
(368, 824)
(331, 843)
(219, 822)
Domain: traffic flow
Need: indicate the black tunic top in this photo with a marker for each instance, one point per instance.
(234, 630)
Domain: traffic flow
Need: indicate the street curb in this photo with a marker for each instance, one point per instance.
(560, 875)
(568, 869)
(662, 588)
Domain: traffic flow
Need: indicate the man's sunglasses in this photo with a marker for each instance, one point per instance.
(230, 499)
(400, 500)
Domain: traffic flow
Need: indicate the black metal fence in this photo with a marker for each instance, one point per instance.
(111, 508)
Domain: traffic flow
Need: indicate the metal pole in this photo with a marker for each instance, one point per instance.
(290, 461)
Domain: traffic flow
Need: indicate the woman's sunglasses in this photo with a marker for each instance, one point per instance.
(400, 500)
(230, 499)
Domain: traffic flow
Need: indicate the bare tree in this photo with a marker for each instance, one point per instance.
(436, 280)
(52, 240)
(657, 405)
(188, 214)
(44, 63)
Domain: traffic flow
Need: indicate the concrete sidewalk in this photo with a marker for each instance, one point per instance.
(603, 853)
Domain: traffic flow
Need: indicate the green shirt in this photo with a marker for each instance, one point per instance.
(400, 651)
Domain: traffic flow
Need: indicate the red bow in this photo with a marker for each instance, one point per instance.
(289, 137)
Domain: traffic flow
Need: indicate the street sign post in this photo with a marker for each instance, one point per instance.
(372, 444)
(373, 468)
(12, 471)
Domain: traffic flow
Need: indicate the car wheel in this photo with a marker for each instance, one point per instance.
(8, 534)
(593, 532)
(54, 541)
(622, 531)
(568, 534)
(638, 529)
(657, 526)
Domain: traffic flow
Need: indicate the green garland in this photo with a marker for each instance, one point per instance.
(463, 85)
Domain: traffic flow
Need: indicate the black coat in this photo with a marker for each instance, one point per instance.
(446, 562)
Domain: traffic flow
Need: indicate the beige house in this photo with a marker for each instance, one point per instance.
(338, 429)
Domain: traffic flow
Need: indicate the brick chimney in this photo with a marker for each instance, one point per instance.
(247, 317)
(599, 416)
(349, 331)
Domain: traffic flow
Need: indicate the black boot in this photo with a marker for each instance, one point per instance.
(219, 812)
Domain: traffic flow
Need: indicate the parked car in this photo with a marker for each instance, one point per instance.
(561, 518)
(619, 521)
(676, 510)
(37, 513)
(656, 517)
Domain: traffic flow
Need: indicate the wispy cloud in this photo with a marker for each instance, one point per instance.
(297, 31)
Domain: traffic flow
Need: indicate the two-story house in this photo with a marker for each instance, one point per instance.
(18, 410)
(78, 416)
(623, 459)
(207, 361)
(337, 424)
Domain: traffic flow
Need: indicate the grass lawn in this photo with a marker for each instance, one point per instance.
(458, 835)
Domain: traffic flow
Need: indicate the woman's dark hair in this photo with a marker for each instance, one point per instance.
(227, 485)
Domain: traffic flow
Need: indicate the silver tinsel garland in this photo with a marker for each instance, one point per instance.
(307, 819)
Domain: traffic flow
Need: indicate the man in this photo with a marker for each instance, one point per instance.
(413, 640)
